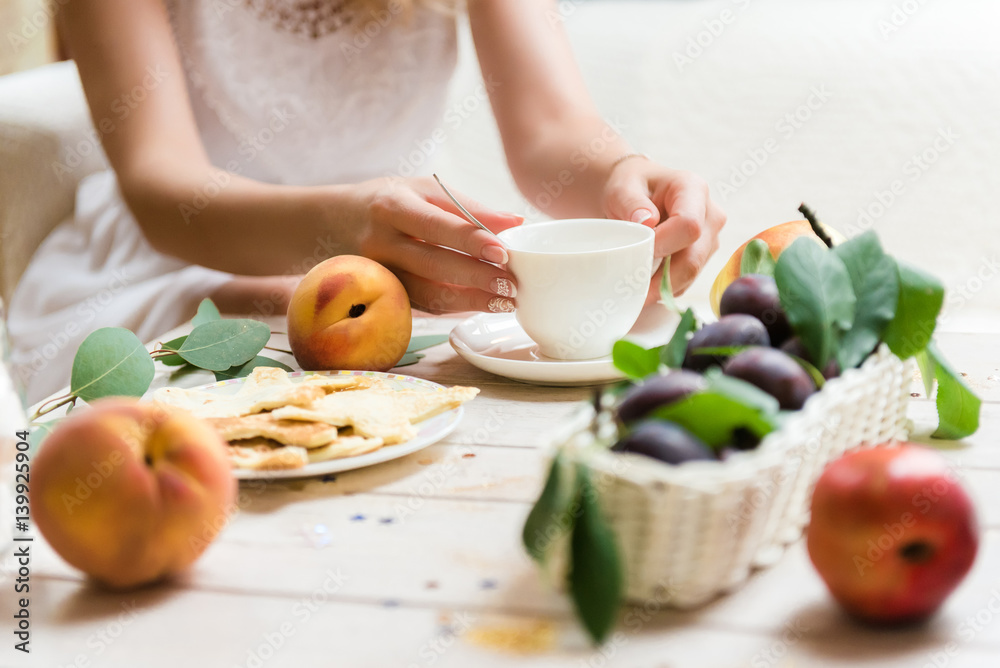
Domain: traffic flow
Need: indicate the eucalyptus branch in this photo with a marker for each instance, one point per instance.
(60, 401)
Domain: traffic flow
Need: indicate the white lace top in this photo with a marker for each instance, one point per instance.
(300, 92)
(309, 91)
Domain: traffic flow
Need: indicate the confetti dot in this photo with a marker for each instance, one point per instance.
(488, 584)
(432, 585)
(357, 518)
(391, 603)
(387, 520)
(468, 455)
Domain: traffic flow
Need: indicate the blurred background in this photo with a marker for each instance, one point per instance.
(880, 114)
(29, 34)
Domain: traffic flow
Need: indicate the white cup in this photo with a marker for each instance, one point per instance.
(580, 283)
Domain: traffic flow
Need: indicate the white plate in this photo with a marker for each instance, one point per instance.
(428, 432)
(494, 342)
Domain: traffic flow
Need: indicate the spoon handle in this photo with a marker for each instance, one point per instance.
(461, 208)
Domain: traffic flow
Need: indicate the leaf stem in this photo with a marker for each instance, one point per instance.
(814, 224)
(279, 350)
(61, 401)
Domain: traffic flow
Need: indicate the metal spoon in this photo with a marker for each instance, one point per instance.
(461, 208)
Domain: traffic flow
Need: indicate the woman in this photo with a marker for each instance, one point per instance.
(251, 138)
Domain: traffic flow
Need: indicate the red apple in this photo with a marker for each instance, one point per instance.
(130, 493)
(892, 532)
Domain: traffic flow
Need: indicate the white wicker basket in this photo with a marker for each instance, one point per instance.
(688, 533)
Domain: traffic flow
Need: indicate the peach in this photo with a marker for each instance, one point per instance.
(349, 312)
(778, 238)
(129, 492)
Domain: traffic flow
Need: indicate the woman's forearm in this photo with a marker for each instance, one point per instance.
(230, 223)
(562, 170)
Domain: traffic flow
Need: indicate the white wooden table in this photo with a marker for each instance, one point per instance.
(418, 562)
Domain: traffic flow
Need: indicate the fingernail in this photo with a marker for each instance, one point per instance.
(504, 287)
(515, 216)
(495, 254)
(641, 216)
(500, 305)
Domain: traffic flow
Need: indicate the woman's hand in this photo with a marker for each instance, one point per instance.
(445, 262)
(676, 204)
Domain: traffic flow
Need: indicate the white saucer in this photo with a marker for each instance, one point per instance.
(494, 342)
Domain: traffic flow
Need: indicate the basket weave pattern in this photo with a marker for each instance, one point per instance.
(688, 533)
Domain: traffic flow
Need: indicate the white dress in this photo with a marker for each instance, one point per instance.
(299, 92)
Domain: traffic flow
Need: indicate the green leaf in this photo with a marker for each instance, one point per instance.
(633, 360)
(173, 360)
(875, 281)
(596, 577)
(713, 416)
(244, 370)
(219, 345)
(426, 341)
(672, 354)
(741, 391)
(814, 373)
(957, 407)
(409, 358)
(927, 371)
(816, 294)
(920, 299)
(111, 361)
(721, 351)
(757, 259)
(207, 312)
(666, 291)
(551, 516)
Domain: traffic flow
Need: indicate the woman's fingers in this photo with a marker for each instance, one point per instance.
(424, 220)
(497, 221)
(685, 265)
(628, 198)
(436, 297)
(687, 205)
(446, 266)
